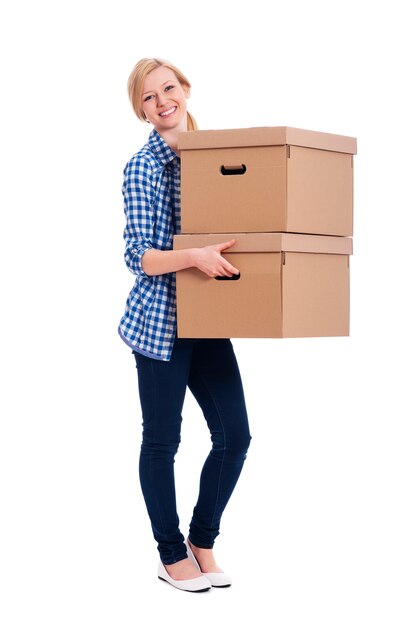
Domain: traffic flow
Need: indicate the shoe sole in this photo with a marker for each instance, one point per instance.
(189, 590)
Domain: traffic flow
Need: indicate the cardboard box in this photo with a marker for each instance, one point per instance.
(289, 286)
(277, 179)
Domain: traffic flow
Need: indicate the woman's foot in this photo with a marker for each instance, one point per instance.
(205, 559)
(183, 570)
(196, 584)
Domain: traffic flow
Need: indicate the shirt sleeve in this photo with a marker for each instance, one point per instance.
(139, 206)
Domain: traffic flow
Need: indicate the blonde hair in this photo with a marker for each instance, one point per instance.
(136, 80)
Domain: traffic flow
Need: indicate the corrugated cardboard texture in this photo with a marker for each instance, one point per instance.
(266, 136)
(268, 242)
(278, 294)
(319, 192)
(248, 307)
(248, 187)
(252, 202)
(315, 295)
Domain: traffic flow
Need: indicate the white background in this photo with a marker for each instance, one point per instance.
(321, 527)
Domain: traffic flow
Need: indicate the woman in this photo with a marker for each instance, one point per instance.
(165, 364)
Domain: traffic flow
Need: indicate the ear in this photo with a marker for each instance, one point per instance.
(187, 92)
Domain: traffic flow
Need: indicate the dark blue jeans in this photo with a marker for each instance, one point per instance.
(209, 368)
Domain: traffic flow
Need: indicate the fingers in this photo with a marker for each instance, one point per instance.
(210, 260)
(227, 268)
(230, 269)
(222, 272)
(227, 244)
(224, 268)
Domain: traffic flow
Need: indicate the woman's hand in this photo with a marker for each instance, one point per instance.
(210, 261)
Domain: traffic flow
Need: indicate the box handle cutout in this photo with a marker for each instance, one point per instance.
(233, 277)
(233, 170)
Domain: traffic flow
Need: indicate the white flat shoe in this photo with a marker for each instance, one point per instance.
(216, 579)
(201, 583)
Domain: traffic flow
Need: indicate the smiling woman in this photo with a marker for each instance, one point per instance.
(166, 365)
(138, 86)
(164, 102)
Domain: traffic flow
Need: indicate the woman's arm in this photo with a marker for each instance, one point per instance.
(140, 255)
(139, 195)
(208, 260)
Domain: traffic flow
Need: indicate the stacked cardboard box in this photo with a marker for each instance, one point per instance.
(286, 196)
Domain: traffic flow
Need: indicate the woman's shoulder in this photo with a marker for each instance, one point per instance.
(142, 159)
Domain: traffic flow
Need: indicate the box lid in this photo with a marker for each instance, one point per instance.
(269, 242)
(265, 136)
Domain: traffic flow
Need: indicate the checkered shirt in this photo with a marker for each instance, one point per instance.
(151, 191)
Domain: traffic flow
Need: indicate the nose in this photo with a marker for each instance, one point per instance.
(161, 99)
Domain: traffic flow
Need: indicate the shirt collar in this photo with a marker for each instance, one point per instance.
(160, 148)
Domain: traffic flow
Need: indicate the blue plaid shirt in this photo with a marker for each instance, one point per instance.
(151, 190)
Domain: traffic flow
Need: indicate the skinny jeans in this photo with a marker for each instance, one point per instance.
(210, 370)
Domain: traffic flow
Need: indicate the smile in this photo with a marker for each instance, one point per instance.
(168, 112)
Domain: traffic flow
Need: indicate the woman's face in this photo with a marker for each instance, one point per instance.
(164, 100)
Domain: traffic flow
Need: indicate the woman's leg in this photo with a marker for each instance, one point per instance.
(216, 384)
(162, 386)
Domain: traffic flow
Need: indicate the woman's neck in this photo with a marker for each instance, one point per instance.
(170, 136)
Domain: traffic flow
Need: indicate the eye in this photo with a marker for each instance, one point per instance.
(168, 87)
(147, 98)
